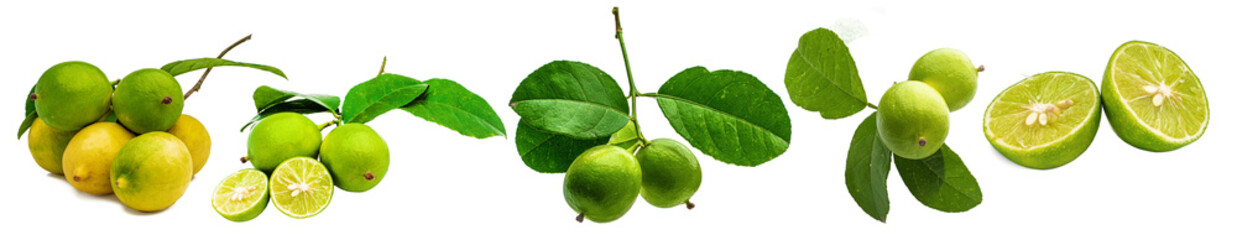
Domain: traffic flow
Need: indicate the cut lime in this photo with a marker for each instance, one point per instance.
(1152, 98)
(242, 195)
(1044, 121)
(301, 187)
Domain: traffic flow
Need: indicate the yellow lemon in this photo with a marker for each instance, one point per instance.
(88, 157)
(47, 145)
(190, 131)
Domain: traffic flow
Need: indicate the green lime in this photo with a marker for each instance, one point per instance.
(356, 156)
(1152, 98)
(71, 95)
(912, 120)
(280, 137)
(602, 183)
(1044, 121)
(241, 196)
(151, 171)
(301, 187)
(950, 72)
(671, 174)
(148, 100)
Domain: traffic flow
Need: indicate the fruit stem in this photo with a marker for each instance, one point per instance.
(244, 159)
(383, 68)
(114, 83)
(198, 86)
(580, 218)
(34, 96)
(980, 68)
(689, 204)
(631, 82)
(327, 124)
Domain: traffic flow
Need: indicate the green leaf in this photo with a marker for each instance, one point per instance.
(867, 170)
(451, 105)
(547, 152)
(30, 115)
(571, 98)
(265, 96)
(384, 93)
(729, 115)
(822, 77)
(183, 66)
(302, 106)
(941, 181)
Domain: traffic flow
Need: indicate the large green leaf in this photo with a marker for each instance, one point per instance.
(822, 77)
(451, 105)
(302, 106)
(384, 93)
(30, 115)
(729, 115)
(571, 98)
(265, 96)
(183, 66)
(941, 181)
(867, 170)
(548, 152)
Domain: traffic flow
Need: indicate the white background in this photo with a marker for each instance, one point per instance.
(444, 185)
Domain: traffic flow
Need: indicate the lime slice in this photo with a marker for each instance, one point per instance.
(301, 187)
(1044, 121)
(1152, 98)
(242, 195)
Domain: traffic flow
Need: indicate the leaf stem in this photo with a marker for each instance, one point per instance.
(631, 82)
(383, 69)
(198, 86)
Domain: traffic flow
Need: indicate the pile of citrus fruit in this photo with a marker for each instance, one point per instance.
(127, 137)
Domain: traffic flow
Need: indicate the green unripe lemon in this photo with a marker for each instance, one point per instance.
(47, 145)
(950, 72)
(670, 173)
(151, 171)
(148, 100)
(602, 183)
(280, 137)
(912, 120)
(71, 95)
(356, 157)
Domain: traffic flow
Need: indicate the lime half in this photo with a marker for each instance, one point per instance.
(241, 196)
(301, 187)
(1152, 98)
(1044, 121)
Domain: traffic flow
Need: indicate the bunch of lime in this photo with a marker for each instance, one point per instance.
(128, 137)
(913, 116)
(287, 146)
(602, 183)
(1152, 99)
(298, 168)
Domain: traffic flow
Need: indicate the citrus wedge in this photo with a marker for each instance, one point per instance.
(241, 196)
(1044, 121)
(301, 187)
(1152, 98)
